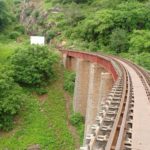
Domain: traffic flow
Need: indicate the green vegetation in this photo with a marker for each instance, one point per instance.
(78, 121)
(11, 98)
(75, 119)
(5, 16)
(35, 119)
(41, 122)
(32, 104)
(69, 81)
(33, 65)
(30, 115)
(117, 27)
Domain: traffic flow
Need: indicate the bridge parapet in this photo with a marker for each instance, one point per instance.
(95, 77)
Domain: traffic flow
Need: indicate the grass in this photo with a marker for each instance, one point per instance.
(6, 49)
(41, 121)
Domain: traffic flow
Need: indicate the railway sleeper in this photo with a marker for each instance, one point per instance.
(102, 138)
(112, 112)
(108, 119)
(128, 141)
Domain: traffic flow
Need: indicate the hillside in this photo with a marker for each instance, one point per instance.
(118, 27)
(30, 115)
(35, 91)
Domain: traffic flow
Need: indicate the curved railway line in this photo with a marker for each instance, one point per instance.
(124, 118)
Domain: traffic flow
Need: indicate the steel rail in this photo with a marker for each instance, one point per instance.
(121, 136)
(113, 138)
(116, 138)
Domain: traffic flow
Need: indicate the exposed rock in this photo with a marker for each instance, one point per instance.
(34, 147)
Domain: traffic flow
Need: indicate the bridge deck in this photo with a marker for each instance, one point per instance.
(141, 114)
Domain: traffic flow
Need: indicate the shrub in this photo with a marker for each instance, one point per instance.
(17, 1)
(50, 35)
(41, 91)
(119, 40)
(140, 41)
(5, 16)
(69, 81)
(76, 119)
(73, 14)
(11, 98)
(36, 14)
(28, 11)
(20, 29)
(33, 65)
(143, 59)
(14, 35)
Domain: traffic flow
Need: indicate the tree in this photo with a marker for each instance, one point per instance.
(119, 40)
(4, 14)
(33, 65)
(11, 98)
(140, 41)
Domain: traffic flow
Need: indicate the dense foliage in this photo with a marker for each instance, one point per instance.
(4, 15)
(69, 81)
(78, 121)
(140, 41)
(33, 65)
(11, 98)
(96, 25)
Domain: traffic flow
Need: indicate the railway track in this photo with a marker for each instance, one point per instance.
(113, 129)
(123, 120)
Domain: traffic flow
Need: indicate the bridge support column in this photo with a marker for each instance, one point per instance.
(100, 84)
(105, 86)
(81, 87)
(93, 94)
(64, 60)
(69, 62)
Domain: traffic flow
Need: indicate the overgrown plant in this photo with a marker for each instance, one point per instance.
(11, 98)
(33, 65)
(69, 81)
(77, 120)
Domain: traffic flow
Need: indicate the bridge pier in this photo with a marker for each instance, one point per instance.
(69, 62)
(100, 84)
(105, 86)
(81, 87)
(93, 94)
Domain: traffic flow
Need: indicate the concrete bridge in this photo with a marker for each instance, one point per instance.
(104, 95)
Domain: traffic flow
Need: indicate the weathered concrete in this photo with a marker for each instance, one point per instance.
(69, 62)
(64, 60)
(100, 84)
(73, 65)
(105, 86)
(81, 87)
(93, 94)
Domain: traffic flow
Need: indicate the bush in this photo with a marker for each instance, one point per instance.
(5, 16)
(140, 41)
(143, 59)
(69, 81)
(76, 119)
(41, 91)
(28, 11)
(33, 65)
(50, 35)
(98, 26)
(119, 40)
(14, 35)
(73, 15)
(36, 14)
(20, 29)
(11, 98)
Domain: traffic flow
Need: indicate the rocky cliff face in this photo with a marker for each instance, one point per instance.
(35, 18)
